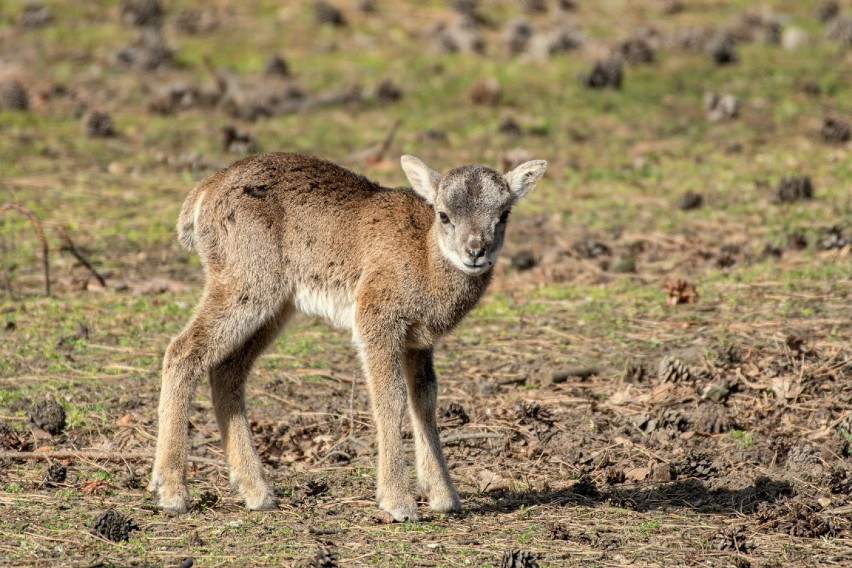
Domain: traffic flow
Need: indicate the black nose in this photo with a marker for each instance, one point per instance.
(475, 251)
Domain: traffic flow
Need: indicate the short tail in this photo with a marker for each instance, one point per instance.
(188, 218)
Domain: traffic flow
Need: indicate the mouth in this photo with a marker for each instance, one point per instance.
(476, 268)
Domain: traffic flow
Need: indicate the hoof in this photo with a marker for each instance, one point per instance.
(405, 511)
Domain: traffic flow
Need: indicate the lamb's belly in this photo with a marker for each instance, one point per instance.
(336, 307)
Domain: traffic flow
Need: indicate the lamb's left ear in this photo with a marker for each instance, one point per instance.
(522, 179)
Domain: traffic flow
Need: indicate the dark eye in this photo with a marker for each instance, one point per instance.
(443, 216)
(504, 217)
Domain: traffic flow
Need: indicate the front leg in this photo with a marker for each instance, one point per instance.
(432, 473)
(380, 348)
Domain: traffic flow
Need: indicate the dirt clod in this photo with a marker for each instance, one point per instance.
(519, 559)
(49, 416)
(604, 74)
(388, 91)
(113, 525)
(206, 500)
(324, 558)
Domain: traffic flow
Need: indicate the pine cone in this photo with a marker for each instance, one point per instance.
(324, 558)
(13, 95)
(517, 35)
(690, 200)
(519, 559)
(35, 15)
(712, 418)
(49, 416)
(723, 50)
(531, 410)
(833, 238)
(141, 13)
(454, 414)
(696, 465)
(834, 131)
(485, 92)
(56, 473)
(614, 475)
(840, 30)
(558, 532)
(839, 481)
(675, 419)
(98, 124)
(729, 355)
(113, 526)
(276, 66)
(793, 189)
(635, 373)
(673, 370)
(604, 73)
(325, 13)
(590, 248)
(732, 539)
(11, 439)
(828, 10)
(634, 51)
(803, 454)
(679, 292)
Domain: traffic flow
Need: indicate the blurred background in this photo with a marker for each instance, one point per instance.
(662, 363)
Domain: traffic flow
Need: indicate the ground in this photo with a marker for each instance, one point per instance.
(649, 381)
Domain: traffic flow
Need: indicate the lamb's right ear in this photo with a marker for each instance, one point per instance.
(424, 181)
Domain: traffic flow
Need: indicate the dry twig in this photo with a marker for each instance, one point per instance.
(69, 246)
(39, 229)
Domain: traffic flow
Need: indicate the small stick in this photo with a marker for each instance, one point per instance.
(45, 251)
(69, 246)
(92, 455)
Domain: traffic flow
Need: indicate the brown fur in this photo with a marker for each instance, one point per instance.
(279, 232)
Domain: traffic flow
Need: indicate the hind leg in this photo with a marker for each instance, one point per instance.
(222, 323)
(227, 383)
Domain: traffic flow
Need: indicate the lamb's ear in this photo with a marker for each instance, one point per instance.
(522, 179)
(424, 181)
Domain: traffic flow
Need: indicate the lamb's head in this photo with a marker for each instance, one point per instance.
(472, 205)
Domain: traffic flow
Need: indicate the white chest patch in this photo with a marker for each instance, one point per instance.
(337, 307)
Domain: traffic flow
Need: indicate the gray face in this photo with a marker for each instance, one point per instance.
(472, 205)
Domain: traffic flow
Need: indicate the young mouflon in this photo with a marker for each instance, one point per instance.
(282, 232)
